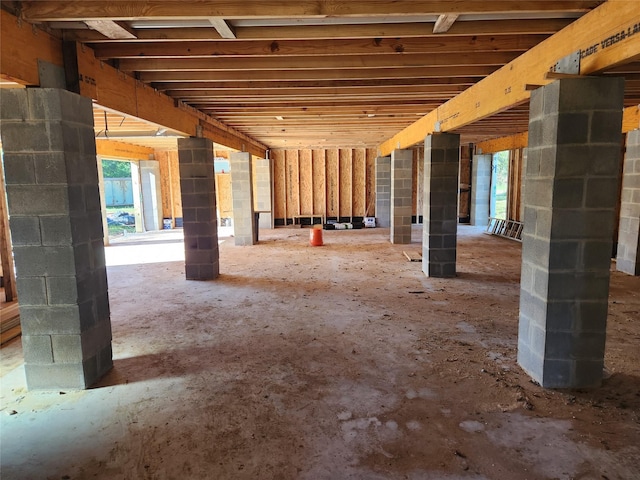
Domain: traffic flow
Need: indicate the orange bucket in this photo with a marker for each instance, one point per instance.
(315, 237)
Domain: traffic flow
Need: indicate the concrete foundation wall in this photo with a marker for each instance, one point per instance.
(200, 219)
(56, 227)
(570, 199)
(628, 259)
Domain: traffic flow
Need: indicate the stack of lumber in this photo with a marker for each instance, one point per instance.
(9, 321)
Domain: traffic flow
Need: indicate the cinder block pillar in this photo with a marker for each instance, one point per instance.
(571, 193)
(440, 228)
(263, 191)
(628, 259)
(56, 227)
(480, 189)
(242, 195)
(401, 196)
(199, 217)
(383, 191)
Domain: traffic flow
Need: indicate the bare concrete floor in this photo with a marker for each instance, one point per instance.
(334, 362)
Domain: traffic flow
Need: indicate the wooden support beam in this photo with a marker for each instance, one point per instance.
(223, 28)
(445, 22)
(21, 46)
(511, 142)
(112, 30)
(114, 149)
(64, 10)
(608, 36)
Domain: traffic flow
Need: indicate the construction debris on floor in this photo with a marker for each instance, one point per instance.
(340, 362)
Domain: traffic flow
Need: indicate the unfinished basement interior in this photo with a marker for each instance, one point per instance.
(320, 239)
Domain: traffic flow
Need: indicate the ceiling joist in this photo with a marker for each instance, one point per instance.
(507, 87)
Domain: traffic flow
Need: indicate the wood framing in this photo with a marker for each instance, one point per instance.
(6, 255)
(43, 10)
(388, 30)
(312, 62)
(507, 86)
(501, 144)
(113, 149)
(321, 183)
(392, 46)
(630, 121)
(23, 46)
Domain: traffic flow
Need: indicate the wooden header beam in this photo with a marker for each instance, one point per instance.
(113, 149)
(607, 36)
(64, 10)
(22, 45)
(512, 142)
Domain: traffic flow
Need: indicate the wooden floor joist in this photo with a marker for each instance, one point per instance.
(23, 46)
(507, 86)
(630, 121)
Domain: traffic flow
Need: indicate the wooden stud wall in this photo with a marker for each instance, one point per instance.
(514, 199)
(338, 183)
(464, 200)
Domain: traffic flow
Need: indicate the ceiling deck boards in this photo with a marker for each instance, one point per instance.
(337, 74)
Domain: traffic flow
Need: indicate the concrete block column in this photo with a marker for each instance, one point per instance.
(628, 259)
(383, 191)
(242, 195)
(440, 228)
(401, 196)
(264, 191)
(56, 227)
(200, 219)
(480, 189)
(573, 171)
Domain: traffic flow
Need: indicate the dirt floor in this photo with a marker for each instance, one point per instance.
(335, 362)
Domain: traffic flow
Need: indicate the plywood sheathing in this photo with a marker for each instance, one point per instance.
(223, 195)
(169, 183)
(318, 166)
(324, 183)
(333, 188)
(306, 182)
(514, 209)
(464, 202)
